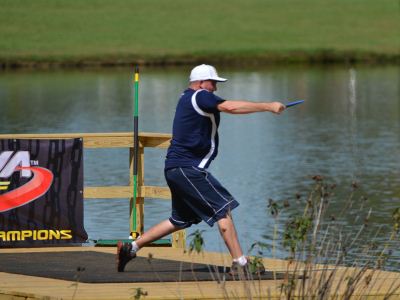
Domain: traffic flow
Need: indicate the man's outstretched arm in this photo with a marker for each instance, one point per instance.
(248, 107)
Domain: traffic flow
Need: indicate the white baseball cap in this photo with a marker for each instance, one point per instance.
(205, 72)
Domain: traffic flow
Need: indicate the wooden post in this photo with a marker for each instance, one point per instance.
(140, 183)
(179, 239)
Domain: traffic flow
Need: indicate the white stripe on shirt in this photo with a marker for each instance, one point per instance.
(213, 130)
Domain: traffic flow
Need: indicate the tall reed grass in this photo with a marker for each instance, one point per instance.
(325, 259)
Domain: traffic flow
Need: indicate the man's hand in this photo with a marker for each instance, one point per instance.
(277, 107)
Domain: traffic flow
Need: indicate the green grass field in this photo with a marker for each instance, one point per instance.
(179, 31)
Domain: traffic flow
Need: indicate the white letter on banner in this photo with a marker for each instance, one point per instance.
(20, 159)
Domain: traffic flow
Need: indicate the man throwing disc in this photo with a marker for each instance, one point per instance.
(196, 195)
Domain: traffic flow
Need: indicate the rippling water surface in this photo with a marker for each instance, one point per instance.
(348, 130)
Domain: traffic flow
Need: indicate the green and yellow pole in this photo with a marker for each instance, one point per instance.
(134, 232)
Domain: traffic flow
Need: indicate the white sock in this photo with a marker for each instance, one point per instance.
(135, 247)
(242, 261)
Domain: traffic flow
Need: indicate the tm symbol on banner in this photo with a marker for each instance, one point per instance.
(34, 162)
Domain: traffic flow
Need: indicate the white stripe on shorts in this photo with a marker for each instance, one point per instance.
(227, 200)
(197, 190)
(221, 209)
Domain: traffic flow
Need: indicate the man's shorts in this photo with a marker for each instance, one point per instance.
(197, 196)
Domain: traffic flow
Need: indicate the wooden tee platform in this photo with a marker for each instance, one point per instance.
(14, 286)
(114, 140)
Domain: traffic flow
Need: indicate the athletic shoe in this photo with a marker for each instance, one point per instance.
(124, 255)
(247, 272)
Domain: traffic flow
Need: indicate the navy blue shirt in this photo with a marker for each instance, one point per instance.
(195, 130)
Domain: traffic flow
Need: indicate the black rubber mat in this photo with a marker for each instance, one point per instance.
(97, 267)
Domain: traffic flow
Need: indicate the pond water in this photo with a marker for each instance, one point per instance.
(348, 130)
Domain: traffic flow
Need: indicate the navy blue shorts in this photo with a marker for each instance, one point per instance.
(197, 196)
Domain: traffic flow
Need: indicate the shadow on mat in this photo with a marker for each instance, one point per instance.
(97, 267)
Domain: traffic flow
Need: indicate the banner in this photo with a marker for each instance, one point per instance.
(41, 192)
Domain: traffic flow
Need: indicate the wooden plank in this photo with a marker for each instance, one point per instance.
(103, 140)
(102, 192)
(158, 192)
(107, 142)
(150, 135)
(155, 142)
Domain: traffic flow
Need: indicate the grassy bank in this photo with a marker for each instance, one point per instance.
(43, 32)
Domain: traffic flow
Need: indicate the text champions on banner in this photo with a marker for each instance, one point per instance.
(36, 235)
(41, 192)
